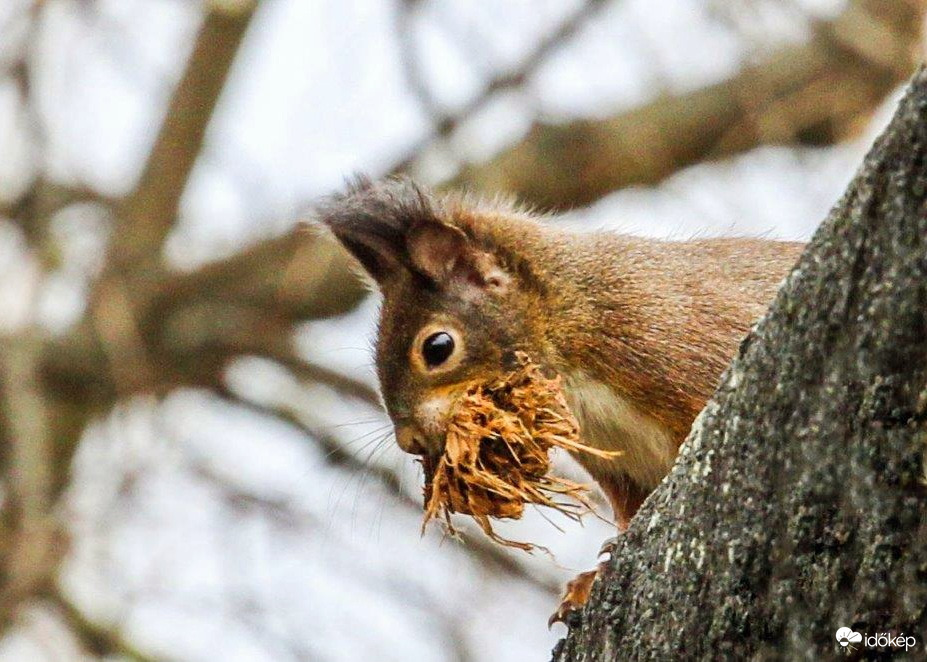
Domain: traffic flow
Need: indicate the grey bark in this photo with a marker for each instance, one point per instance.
(798, 504)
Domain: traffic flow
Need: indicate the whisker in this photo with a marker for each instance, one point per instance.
(380, 447)
(345, 445)
(373, 437)
(357, 474)
(365, 421)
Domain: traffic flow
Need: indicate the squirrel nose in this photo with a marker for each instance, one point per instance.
(409, 438)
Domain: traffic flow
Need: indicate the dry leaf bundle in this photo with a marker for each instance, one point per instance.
(496, 455)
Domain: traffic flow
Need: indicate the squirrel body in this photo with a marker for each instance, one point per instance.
(639, 329)
(610, 422)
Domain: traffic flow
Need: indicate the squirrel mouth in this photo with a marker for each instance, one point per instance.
(429, 462)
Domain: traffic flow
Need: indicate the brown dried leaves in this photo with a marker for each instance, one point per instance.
(495, 458)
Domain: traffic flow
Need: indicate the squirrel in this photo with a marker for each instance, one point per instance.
(639, 329)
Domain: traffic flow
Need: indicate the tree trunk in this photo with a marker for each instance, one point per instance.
(798, 504)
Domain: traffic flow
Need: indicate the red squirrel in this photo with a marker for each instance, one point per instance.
(639, 329)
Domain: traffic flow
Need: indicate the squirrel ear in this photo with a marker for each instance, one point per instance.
(446, 255)
(379, 256)
(393, 225)
(437, 250)
(368, 220)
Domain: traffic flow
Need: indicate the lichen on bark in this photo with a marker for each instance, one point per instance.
(798, 504)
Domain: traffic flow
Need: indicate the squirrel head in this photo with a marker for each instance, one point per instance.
(457, 305)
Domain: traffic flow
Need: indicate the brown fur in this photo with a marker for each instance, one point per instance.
(646, 325)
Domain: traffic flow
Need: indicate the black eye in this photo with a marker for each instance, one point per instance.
(437, 348)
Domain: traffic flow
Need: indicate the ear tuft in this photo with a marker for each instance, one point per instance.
(372, 220)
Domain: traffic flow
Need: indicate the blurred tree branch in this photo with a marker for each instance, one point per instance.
(35, 207)
(96, 639)
(31, 534)
(147, 214)
(813, 93)
(445, 124)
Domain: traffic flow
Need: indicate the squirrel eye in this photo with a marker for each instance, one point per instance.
(437, 348)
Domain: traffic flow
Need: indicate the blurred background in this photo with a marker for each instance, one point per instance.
(193, 463)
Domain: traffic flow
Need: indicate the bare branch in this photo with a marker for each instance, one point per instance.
(96, 639)
(34, 544)
(33, 209)
(299, 276)
(183, 329)
(149, 212)
(26, 415)
(310, 373)
(410, 61)
(446, 125)
(812, 93)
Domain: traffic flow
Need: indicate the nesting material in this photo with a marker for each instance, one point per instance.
(496, 455)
